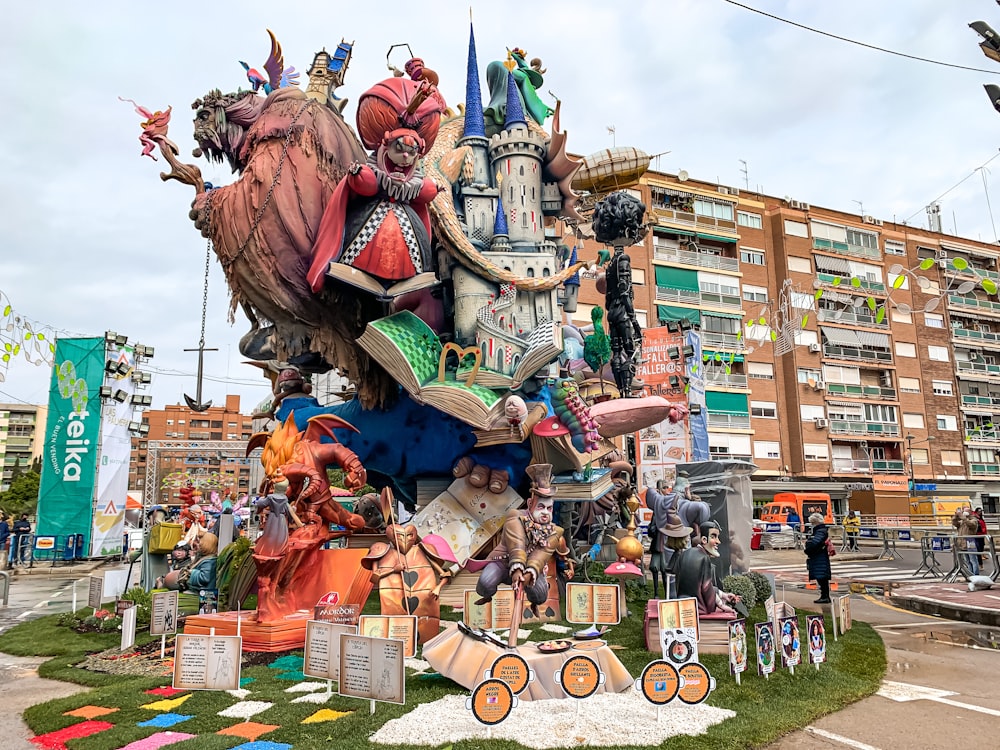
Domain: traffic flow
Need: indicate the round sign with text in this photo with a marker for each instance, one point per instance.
(580, 677)
(512, 669)
(698, 683)
(660, 682)
(492, 701)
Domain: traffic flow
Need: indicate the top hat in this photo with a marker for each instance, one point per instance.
(541, 479)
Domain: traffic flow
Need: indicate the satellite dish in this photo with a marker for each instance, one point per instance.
(682, 175)
(812, 382)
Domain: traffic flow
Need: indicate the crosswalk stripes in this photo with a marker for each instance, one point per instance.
(852, 571)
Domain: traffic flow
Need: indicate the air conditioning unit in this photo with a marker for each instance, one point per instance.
(942, 254)
(822, 423)
(815, 348)
(724, 190)
(943, 264)
(820, 386)
(868, 219)
(802, 206)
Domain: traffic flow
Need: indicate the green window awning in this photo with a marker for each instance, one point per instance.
(718, 402)
(711, 355)
(677, 278)
(671, 314)
(670, 230)
(716, 237)
(733, 316)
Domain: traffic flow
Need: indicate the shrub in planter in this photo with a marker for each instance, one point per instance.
(743, 587)
(761, 584)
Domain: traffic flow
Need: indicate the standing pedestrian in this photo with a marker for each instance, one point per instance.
(852, 526)
(981, 533)
(4, 539)
(818, 557)
(966, 528)
(20, 549)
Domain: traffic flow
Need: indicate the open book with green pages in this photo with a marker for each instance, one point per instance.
(411, 352)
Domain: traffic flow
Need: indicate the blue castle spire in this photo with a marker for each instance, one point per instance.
(575, 278)
(475, 126)
(515, 111)
(500, 223)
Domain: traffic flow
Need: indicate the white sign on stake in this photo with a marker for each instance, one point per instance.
(371, 668)
(322, 649)
(96, 592)
(163, 613)
(207, 662)
(128, 627)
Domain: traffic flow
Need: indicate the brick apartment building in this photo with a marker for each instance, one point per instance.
(22, 435)
(890, 376)
(207, 442)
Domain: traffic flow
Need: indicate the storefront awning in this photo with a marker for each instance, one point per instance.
(677, 278)
(671, 314)
(841, 336)
(873, 340)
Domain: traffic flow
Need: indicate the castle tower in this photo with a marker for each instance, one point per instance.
(501, 240)
(320, 77)
(517, 154)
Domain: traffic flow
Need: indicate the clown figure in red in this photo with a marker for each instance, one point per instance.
(377, 220)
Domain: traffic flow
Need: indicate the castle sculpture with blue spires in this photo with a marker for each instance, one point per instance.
(503, 202)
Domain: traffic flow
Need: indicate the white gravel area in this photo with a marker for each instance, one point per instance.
(314, 698)
(306, 687)
(245, 709)
(605, 719)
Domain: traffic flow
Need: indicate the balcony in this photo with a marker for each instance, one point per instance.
(866, 466)
(978, 368)
(850, 316)
(857, 355)
(716, 456)
(985, 338)
(984, 470)
(726, 342)
(844, 248)
(701, 260)
(979, 305)
(854, 284)
(989, 402)
(971, 271)
(891, 466)
(858, 427)
(708, 299)
(862, 391)
(693, 220)
(729, 421)
(982, 434)
(733, 380)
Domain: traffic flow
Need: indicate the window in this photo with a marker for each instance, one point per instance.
(981, 455)
(816, 451)
(938, 353)
(942, 388)
(932, 287)
(806, 374)
(947, 422)
(905, 350)
(909, 385)
(753, 257)
(809, 413)
(760, 370)
(796, 229)
(754, 293)
(757, 332)
(715, 209)
(847, 412)
(880, 413)
(834, 232)
(916, 421)
(894, 247)
(894, 279)
(747, 219)
(170, 421)
(766, 409)
(638, 276)
(933, 321)
(715, 324)
(766, 449)
(799, 265)
(802, 301)
(841, 374)
(180, 421)
(862, 239)
(805, 338)
(920, 456)
(641, 318)
(898, 316)
(951, 458)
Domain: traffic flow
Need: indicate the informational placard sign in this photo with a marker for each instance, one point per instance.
(95, 593)
(696, 683)
(737, 647)
(330, 609)
(115, 583)
(225, 530)
(322, 652)
(491, 702)
(791, 647)
(816, 630)
(128, 627)
(842, 605)
(496, 614)
(121, 605)
(207, 662)
(679, 614)
(596, 603)
(659, 683)
(766, 657)
(579, 677)
(371, 668)
(512, 669)
(163, 613)
(399, 627)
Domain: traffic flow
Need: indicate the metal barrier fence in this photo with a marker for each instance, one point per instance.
(28, 549)
(968, 560)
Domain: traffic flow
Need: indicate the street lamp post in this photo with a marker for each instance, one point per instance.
(911, 439)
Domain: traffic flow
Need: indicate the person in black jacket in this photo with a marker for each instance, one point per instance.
(818, 562)
(20, 549)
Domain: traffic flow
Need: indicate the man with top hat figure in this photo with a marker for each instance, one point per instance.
(528, 541)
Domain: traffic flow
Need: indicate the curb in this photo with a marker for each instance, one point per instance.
(927, 606)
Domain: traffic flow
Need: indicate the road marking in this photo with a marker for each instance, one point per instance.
(840, 739)
(907, 625)
(992, 597)
(902, 692)
(881, 603)
(969, 706)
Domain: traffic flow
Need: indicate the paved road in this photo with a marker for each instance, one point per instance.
(790, 566)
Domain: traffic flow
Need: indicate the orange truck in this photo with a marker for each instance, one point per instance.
(803, 503)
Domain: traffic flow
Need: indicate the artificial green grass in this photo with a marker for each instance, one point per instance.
(765, 709)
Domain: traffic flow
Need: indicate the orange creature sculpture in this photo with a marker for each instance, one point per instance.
(301, 458)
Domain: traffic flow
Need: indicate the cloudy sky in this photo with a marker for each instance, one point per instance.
(93, 240)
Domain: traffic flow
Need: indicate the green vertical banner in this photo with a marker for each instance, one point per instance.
(72, 437)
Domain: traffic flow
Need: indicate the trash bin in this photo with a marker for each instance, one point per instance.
(78, 553)
(755, 537)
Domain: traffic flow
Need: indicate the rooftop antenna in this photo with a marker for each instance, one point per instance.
(611, 132)
(746, 173)
(861, 206)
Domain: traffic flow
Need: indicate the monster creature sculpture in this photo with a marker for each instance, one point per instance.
(696, 574)
(410, 574)
(618, 221)
(278, 76)
(300, 459)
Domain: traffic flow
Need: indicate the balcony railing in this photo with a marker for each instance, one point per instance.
(733, 380)
(983, 434)
(889, 467)
(687, 296)
(983, 337)
(855, 354)
(850, 316)
(688, 258)
(715, 456)
(971, 270)
(852, 427)
(981, 305)
(865, 466)
(862, 391)
(847, 284)
(729, 421)
(845, 248)
(722, 342)
(984, 470)
(694, 220)
(980, 368)
(992, 402)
